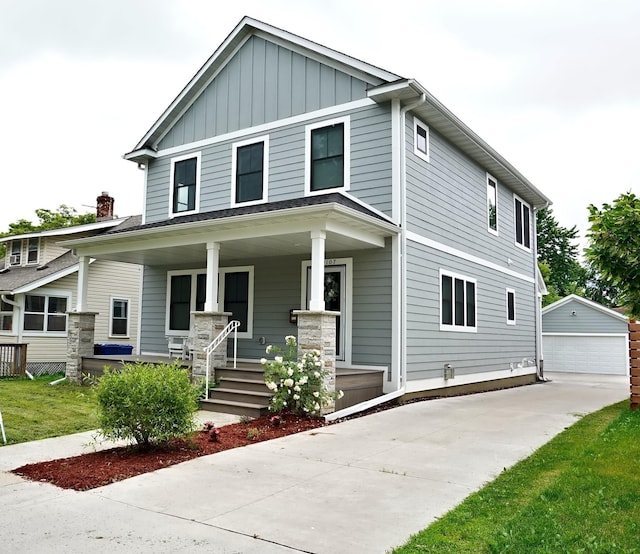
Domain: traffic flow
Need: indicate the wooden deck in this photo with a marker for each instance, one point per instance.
(242, 390)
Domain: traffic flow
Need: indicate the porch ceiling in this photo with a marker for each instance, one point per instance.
(241, 238)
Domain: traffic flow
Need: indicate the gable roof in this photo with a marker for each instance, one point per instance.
(588, 303)
(384, 87)
(245, 29)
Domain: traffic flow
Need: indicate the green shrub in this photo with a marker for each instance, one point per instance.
(146, 403)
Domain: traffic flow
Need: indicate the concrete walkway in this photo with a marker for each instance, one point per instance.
(362, 486)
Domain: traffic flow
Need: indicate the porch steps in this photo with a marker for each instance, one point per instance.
(239, 390)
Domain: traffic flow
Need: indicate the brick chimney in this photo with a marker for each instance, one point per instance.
(104, 207)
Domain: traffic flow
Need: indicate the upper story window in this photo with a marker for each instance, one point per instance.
(33, 250)
(119, 321)
(15, 256)
(45, 313)
(492, 204)
(511, 307)
(420, 139)
(328, 156)
(457, 303)
(185, 184)
(250, 167)
(522, 217)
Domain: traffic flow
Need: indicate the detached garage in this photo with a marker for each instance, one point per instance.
(582, 336)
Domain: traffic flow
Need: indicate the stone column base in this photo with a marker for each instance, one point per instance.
(206, 327)
(80, 339)
(317, 331)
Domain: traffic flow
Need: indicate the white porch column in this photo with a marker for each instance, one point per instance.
(316, 302)
(83, 283)
(213, 265)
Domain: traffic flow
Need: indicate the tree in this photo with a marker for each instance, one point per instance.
(614, 248)
(64, 216)
(558, 254)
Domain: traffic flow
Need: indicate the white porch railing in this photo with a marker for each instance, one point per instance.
(232, 327)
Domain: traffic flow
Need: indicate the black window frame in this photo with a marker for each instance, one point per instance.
(328, 131)
(492, 205)
(458, 302)
(181, 171)
(247, 174)
(522, 223)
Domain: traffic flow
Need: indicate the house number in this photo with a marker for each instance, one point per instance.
(331, 261)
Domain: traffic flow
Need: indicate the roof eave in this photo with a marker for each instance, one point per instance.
(453, 129)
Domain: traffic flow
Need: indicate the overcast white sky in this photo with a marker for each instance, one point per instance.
(553, 85)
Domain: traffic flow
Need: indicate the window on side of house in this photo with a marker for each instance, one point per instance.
(511, 307)
(15, 256)
(250, 168)
(6, 315)
(45, 313)
(421, 139)
(457, 302)
(492, 204)
(119, 317)
(522, 217)
(185, 184)
(328, 157)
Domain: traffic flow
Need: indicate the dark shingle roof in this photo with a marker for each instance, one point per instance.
(19, 276)
(331, 198)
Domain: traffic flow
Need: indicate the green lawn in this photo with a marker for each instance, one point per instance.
(36, 410)
(580, 493)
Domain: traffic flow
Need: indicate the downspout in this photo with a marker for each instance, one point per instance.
(403, 237)
(537, 303)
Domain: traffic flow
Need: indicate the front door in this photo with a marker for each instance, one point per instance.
(334, 300)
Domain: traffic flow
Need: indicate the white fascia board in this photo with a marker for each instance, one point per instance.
(585, 302)
(140, 155)
(283, 223)
(68, 230)
(247, 27)
(48, 279)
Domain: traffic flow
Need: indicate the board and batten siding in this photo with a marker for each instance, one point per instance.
(447, 202)
(154, 309)
(261, 83)
(493, 347)
(370, 177)
(586, 320)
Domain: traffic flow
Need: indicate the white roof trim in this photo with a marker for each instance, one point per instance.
(589, 303)
(67, 230)
(246, 28)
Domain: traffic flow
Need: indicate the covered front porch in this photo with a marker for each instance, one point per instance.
(279, 272)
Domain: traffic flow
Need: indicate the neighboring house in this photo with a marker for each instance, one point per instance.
(584, 337)
(39, 284)
(289, 176)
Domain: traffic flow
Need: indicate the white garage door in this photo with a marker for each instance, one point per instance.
(586, 354)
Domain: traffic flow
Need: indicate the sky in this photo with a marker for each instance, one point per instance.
(552, 85)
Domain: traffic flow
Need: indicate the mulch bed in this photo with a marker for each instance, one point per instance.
(96, 469)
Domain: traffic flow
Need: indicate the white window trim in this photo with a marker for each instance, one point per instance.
(265, 171)
(510, 321)
(426, 156)
(346, 155)
(13, 313)
(457, 328)
(45, 292)
(11, 255)
(495, 182)
(515, 241)
(111, 302)
(198, 156)
(348, 300)
(248, 334)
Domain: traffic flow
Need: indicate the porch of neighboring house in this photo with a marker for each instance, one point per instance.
(242, 390)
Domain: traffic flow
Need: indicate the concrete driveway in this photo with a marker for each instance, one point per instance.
(364, 485)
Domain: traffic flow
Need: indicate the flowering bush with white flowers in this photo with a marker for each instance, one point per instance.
(298, 384)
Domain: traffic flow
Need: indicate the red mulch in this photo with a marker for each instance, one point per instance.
(96, 469)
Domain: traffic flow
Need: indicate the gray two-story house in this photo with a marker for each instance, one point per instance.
(287, 179)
